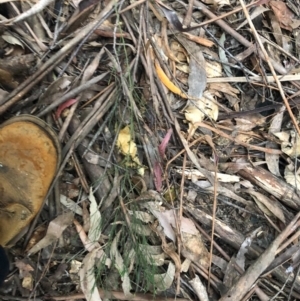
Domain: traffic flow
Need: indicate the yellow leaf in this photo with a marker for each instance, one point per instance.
(165, 80)
(128, 148)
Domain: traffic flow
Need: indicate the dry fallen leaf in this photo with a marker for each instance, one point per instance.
(290, 143)
(25, 271)
(292, 176)
(95, 219)
(120, 266)
(128, 147)
(164, 281)
(197, 110)
(54, 232)
(87, 276)
(284, 15)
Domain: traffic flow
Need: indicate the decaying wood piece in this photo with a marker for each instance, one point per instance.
(231, 236)
(273, 185)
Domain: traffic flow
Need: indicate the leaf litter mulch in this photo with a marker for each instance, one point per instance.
(179, 127)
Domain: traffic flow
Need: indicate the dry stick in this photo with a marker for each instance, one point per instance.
(279, 68)
(188, 17)
(178, 221)
(267, 59)
(213, 217)
(253, 79)
(28, 84)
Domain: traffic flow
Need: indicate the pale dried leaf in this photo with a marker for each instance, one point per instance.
(197, 76)
(272, 160)
(223, 56)
(75, 266)
(87, 277)
(292, 176)
(225, 88)
(196, 174)
(187, 225)
(27, 282)
(70, 204)
(168, 230)
(196, 111)
(54, 232)
(164, 281)
(12, 40)
(95, 219)
(199, 288)
(194, 249)
(290, 144)
(56, 89)
(153, 254)
(213, 69)
(24, 267)
(258, 10)
(185, 265)
(143, 216)
(119, 265)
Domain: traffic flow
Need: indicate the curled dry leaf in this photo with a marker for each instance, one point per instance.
(197, 110)
(213, 69)
(195, 174)
(12, 40)
(95, 219)
(128, 147)
(56, 89)
(217, 3)
(290, 143)
(225, 88)
(54, 232)
(154, 254)
(25, 271)
(164, 281)
(141, 215)
(70, 204)
(119, 265)
(87, 276)
(167, 228)
(292, 176)
(284, 15)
